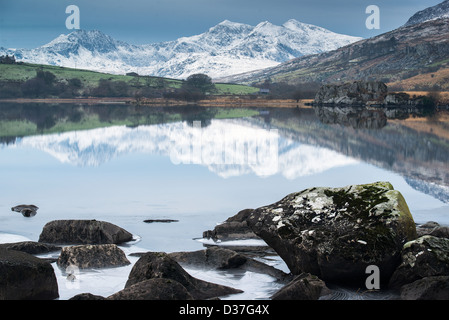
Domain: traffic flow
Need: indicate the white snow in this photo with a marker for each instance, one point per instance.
(225, 49)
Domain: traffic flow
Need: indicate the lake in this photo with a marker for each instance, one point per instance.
(125, 164)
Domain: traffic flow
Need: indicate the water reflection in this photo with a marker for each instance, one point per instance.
(235, 142)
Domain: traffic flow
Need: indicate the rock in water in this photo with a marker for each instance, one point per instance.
(335, 233)
(25, 277)
(154, 265)
(83, 232)
(92, 256)
(27, 210)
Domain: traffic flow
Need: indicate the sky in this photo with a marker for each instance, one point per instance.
(32, 23)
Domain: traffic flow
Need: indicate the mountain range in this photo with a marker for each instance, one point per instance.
(412, 57)
(225, 49)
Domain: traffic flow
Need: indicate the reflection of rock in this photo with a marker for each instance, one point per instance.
(358, 118)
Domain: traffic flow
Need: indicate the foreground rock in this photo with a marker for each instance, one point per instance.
(153, 289)
(83, 232)
(429, 288)
(222, 259)
(335, 233)
(352, 93)
(155, 265)
(303, 287)
(427, 256)
(25, 277)
(92, 256)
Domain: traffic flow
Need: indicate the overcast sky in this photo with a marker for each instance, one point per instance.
(32, 23)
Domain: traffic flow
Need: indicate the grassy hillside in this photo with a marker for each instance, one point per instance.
(13, 75)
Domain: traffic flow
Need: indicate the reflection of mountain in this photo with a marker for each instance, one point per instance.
(242, 149)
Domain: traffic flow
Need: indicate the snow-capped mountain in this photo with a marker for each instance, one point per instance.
(436, 12)
(225, 49)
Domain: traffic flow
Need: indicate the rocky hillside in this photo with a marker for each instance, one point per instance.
(436, 12)
(418, 50)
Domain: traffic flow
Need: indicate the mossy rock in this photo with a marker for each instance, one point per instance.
(335, 233)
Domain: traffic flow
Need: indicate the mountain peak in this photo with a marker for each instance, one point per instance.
(436, 12)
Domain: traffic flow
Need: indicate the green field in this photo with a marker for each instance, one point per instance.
(90, 79)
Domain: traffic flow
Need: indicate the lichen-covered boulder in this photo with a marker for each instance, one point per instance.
(426, 256)
(83, 232)
(92, 256)
(335, 233)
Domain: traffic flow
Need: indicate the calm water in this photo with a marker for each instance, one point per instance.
(200, 166)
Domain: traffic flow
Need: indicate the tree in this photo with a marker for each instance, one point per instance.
(199, 81)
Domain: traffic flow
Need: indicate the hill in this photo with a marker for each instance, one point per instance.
(37, 81)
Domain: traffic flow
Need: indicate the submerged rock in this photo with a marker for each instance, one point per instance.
(25, 277)
(335, 233)
(154, 265)
(92, 256)
(83, 232)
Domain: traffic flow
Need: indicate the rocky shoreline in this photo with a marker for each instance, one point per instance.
(328, 237)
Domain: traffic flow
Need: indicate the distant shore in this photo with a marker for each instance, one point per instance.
(161, 102)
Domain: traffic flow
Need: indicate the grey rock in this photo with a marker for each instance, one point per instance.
(303, 287)
(27, 210)
(153, 289)
(429, 288)
(426, 256)
(30, 247)
(83, 232)
(352, 93)
(25, 277)
(92, 256)
(153, 265)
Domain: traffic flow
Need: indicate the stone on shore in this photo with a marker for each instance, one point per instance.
(25, 277)
(335, 233)
(303, 287)
(92, 256)
(153, 289)
(427, 256)
(154, 265)
(83, 232)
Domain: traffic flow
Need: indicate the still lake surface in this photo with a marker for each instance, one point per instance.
(126, 164)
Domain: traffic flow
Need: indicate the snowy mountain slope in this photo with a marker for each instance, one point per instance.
(225, 49)
(436, 12)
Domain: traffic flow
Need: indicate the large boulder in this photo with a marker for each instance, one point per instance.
(427, 256)
(234, 228)
(92, 256)
(153, 265)
(153, 289)
(25, 277)
(83, 232)
(31, 247)
(335, 233)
